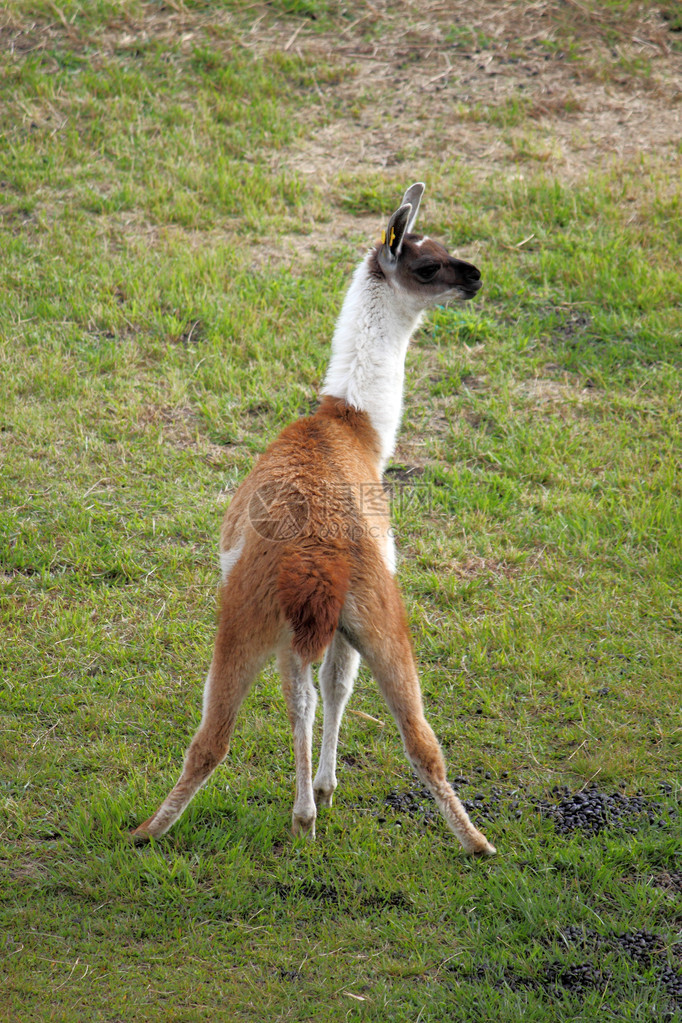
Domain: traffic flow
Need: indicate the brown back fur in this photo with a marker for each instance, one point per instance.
(299, 568)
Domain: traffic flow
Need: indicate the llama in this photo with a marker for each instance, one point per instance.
(307, 553)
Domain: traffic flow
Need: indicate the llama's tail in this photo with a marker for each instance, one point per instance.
(312, 589)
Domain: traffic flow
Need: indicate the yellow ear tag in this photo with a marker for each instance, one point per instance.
(392, 236)
(383, 237)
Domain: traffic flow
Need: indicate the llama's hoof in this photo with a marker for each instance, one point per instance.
(141, 834)
(486, 850)
(303, 826)
(324, 797)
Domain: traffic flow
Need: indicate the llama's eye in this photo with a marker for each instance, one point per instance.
(427, 272)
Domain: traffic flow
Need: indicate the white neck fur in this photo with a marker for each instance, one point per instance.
(367, 366)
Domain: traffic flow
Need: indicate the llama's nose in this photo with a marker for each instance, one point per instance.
(467, 271)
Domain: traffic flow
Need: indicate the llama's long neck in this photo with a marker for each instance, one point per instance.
(367, 366)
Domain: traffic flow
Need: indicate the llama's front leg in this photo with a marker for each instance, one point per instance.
(337, 675)
(301, 700)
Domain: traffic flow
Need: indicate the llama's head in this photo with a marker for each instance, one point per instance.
(417, 267)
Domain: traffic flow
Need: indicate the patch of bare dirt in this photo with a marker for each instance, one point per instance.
(474, 566)
(491, 84)
(179, 427)
(566, 83)
(671, 881)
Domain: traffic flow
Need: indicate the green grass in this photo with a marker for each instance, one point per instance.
(154, 336)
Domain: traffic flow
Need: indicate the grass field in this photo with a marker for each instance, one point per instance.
(184, 191)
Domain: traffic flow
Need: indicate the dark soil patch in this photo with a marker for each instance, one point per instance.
(592, 811)
(194, 333)
(403, 473)
(291, 976)
(575, 978)
(574, 325)
(332, 896)
(554, 977)
(645, 948)
(589, 811)
(672, 881)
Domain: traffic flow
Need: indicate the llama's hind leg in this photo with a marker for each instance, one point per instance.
(301, 700)
(379, 631)
(337, 675)
(235, 663)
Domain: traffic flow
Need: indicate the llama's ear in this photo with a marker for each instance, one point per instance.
(392, 237)
(414, 196)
